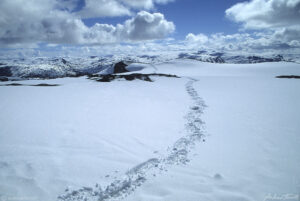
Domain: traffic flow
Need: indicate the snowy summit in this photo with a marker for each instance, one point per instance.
(149, 100)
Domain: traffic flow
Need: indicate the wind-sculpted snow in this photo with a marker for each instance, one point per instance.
(177, 154)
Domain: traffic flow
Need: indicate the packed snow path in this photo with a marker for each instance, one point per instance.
(177, 154)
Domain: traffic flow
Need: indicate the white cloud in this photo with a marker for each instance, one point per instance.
(288, 34)
(245, 42)
(28, 22)
(144, 26)
(103, 8)
(112, 8)
(147, 26)
(200, 38)
(25, 23)
(145, 4)
(277, 20)
(261, 14)
(31, 21)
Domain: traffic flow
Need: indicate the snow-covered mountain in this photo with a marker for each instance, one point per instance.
(47, 68)
(212, 132)
(219, 57)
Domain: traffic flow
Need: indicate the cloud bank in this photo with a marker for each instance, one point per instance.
(280, 17)
(276, 24)
(266, 25)
(264, 14)
(52, 21)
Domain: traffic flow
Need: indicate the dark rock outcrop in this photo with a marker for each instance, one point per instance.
(44, 85)
(217, 59)
(289, 76)
(64, 61)
(32, 85)
(120, 67)
(14, 84)
(128, 77)
(3, 79)
(258, 59)
(5, 71)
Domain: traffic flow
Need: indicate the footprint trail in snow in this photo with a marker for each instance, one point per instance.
(135, 177)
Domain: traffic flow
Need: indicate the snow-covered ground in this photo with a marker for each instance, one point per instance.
(253, 138)
(142, 140)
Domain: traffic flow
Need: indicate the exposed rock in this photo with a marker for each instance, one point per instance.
(14, 84)
(218, 59)
(64, 61)
(32, 85)
(128, 77)
(44, 85)
(5, 71)
(3, 79)
(120, 67)
(257, 59)
(289, 76)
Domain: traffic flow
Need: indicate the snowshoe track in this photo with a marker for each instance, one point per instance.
(135, 177)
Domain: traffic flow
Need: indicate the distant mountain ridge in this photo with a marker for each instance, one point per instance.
(49, 68)
(218, 57)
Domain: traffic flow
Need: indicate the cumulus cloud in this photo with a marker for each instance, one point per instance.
(288, 34)
(276, 20)
(33, 21)
(276, 24)
(147, 26)
(200, 38)
(144, 26)
(111, 8)
(260, 14)
(244, 42)
(103, 8)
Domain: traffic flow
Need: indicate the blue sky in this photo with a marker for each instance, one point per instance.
(206, 17)
(189, 16)
(152, 25)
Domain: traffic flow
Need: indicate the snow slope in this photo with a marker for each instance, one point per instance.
(79, 133)
(252, 146)
(145, 140)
